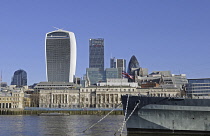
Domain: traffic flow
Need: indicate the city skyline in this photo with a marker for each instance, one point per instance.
(163, 35)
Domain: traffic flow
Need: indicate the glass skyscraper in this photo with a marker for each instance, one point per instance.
(19, 78)
(120, 64)
(96, 53)
(133, 63)
(60, 53)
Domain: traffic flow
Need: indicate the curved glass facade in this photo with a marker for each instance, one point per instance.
(133, 63)
(19, 78)
(60, 49)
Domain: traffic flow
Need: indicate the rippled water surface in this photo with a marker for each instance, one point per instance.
(73, 125)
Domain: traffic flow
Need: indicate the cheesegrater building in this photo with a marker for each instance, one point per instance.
(60, 53)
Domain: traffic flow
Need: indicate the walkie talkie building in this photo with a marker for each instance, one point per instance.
(60, 53)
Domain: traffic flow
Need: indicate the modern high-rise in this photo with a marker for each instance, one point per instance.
(60, 53)
(19, 78)
(133, 63)
(112, 63)
(120, 64)
(96, 53)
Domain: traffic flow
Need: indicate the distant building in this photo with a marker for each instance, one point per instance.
(54, 86)
(60, 51)
(112, 63)
(96, 53)
(3, 84)
(111, 73)
(120, 64)
(12, 99)
(118, 82)
(163, 79)
(94, 75)
(19, 78)
(198, 87)
(133, 63)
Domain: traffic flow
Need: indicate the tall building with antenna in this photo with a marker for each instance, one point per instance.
(60, 53)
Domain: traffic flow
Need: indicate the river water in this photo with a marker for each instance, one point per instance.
(73, 125)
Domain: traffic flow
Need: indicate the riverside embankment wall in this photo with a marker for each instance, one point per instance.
(70, 112)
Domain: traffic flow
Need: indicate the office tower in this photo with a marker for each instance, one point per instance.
(19, 78)
(60, 49)
(111, 73)
(133, 63)
(198, 88)
(121, 63)
(94, 75)
(112, 63)
(96, 53)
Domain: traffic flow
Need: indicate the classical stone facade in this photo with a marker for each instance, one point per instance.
(160, 92)
(59, 98)
(104, 96)
(95, 96)
(11, 100)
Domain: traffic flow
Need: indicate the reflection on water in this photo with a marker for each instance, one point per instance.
(73, 125)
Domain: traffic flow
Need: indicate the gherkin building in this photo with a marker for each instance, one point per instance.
(133, 63)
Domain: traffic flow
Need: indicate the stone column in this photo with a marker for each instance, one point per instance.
(51, 99)
(67, 99)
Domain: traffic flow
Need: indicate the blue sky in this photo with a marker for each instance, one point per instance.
(162, 34)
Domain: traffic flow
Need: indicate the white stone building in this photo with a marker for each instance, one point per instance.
(11, 99)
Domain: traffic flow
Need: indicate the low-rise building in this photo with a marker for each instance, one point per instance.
(12, 99)
(198, 88)
(59, 98)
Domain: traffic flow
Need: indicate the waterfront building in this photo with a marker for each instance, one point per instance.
(133, 63)
(54, 86)
(60, 52)
(198, 88)
(161, 91)
(180, 81)
(59, 98)
(54, 94)
(101, 96)
(12, 99)
(19, 78)
(96, 53)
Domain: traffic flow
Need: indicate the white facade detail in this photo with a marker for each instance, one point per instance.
(60, 56)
